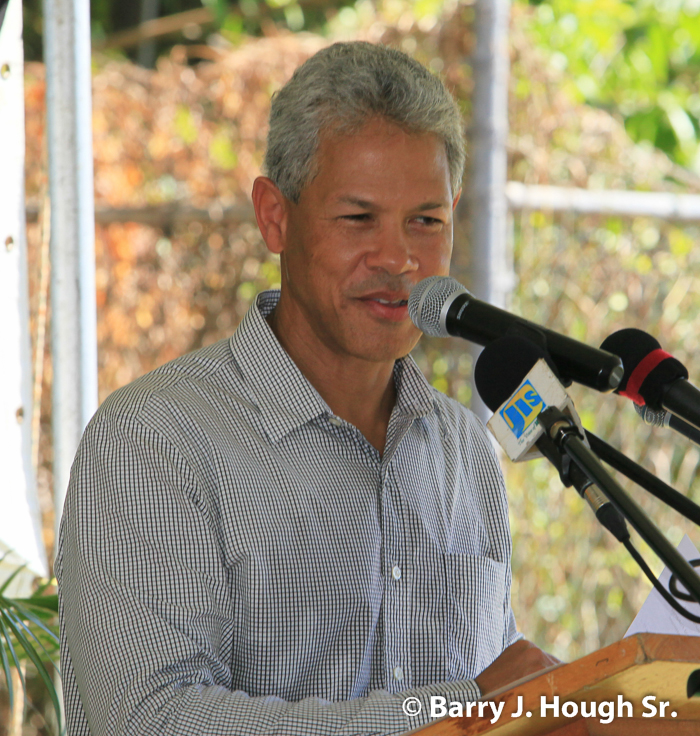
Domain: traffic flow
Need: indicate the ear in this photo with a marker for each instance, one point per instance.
(271, 213)
(456, 199)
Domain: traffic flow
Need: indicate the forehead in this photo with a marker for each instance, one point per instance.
(382, 158)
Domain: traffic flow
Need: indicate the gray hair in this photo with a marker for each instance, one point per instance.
(341, 88)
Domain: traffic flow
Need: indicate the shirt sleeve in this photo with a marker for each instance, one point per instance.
(147, 639)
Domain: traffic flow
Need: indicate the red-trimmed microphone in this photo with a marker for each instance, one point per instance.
(653, 377)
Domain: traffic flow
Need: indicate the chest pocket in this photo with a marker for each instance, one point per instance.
(475, 612)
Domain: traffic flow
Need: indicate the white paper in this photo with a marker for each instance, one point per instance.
(656, 616)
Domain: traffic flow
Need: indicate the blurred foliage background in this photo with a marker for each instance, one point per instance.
(603, 94)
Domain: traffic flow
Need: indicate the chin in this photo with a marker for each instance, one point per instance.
(386, 351)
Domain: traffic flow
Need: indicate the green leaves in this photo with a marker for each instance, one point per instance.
(185, 125)
(28, 631)
(638, 58)
(221, 151)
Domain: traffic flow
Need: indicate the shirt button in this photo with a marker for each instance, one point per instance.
(396, 572)
(335, 421)
(398, 673)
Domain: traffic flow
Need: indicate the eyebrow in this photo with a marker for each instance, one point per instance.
(367, 205)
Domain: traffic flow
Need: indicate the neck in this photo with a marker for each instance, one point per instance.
(359, 391)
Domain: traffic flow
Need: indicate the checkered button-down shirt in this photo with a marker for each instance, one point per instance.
(235, 559)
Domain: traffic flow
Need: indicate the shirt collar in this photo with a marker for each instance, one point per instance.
(284, 396)
(414, 395)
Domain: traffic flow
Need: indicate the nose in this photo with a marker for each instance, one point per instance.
(392, 251)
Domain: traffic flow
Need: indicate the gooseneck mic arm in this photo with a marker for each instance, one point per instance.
(571, 474)
(565, 435)
(666, 419)
(682, 399)
(648, 481)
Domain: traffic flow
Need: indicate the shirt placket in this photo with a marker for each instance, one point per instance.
(397, 586)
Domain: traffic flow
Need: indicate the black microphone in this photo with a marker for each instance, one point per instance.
(499, 371)
(441, 306)
(653, 377)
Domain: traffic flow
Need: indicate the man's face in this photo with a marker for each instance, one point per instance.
(375, 220)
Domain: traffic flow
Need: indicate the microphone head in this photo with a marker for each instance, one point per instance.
(429, 301)
(648, 369)
(651, 417)
(632, 346)
(503, 364)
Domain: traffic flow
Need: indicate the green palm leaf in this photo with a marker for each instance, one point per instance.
(6, 666)
(11, 577)
(25, 614)
(52, 637)
(28, 632)
(35, 658)
(8, 674)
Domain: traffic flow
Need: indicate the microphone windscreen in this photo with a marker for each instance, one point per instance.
(502, 365)
(648, 368)
(632, 346)
(426, 302)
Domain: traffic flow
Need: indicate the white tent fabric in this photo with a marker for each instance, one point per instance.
(20, 520)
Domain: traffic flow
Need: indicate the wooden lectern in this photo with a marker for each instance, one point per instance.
(666, 667)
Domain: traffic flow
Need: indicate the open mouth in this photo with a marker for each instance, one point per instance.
(394, 310)
(396, 303)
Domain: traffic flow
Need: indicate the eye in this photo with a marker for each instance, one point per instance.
(359, 217)
(428, 221)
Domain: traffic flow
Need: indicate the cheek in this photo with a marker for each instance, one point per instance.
(320, 274)
(335, 260)
(437, 257)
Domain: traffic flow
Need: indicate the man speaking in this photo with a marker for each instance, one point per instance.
(290, 531)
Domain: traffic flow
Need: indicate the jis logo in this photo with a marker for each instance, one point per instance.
(522, 409)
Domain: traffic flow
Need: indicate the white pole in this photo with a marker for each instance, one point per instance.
(489, 268)
(73, 311)
(664, 205)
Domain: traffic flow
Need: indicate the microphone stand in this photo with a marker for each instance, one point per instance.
(565, 435)
(648, 481)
